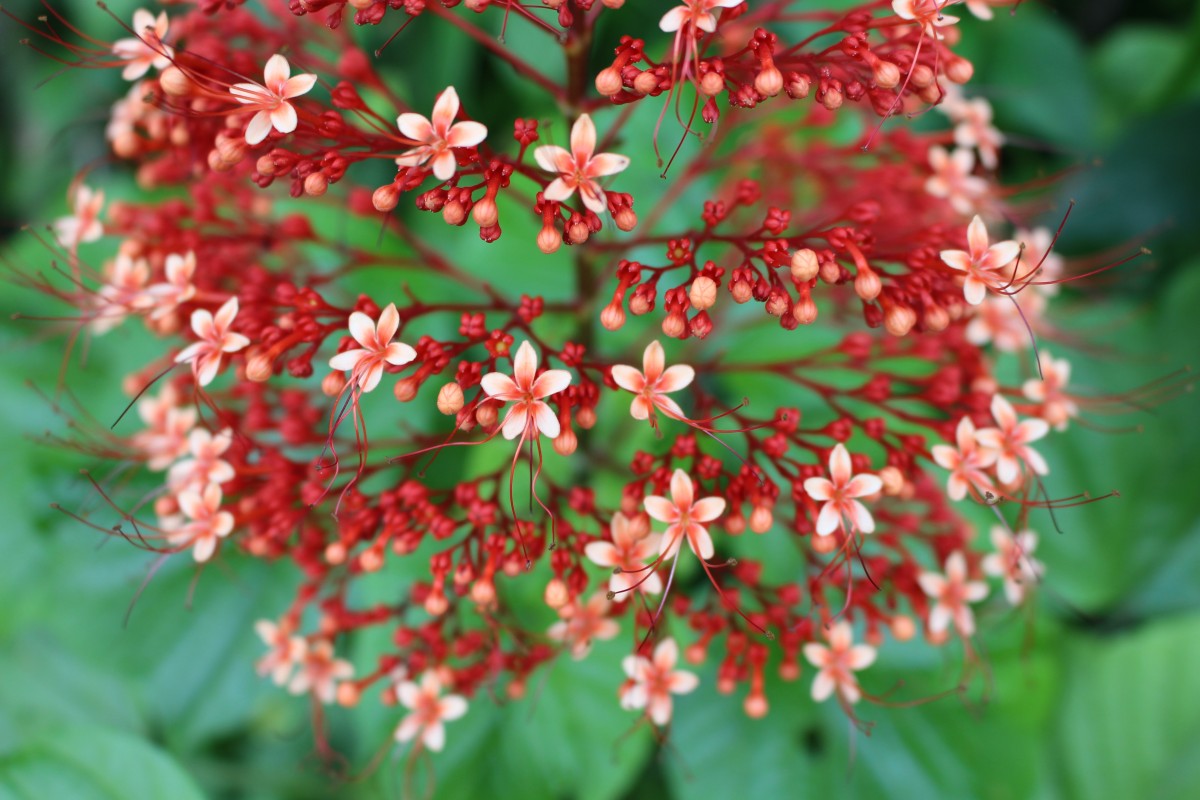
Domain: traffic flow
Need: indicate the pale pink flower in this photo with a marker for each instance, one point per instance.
(166, 438)
(320, 672)
(205, 465)
(837, 663)
(1037, 251)
(526, 390)
(983, 263)
(698, 13)
(967, 464)
(366, 363)
(271, 98)
(953, 180)
(178, 287)
(974, 129)
(580, 624)
(652, 681)
(1011, 441)
(284, 653)
(653, 383)
(952, 592)
(84, 225)
(1057, 406)
(129, 113)
(1014, 562)
(579, 168)
(685, 517)
(438, 136)
(927, 12)
(145, 50)
(123, 293)
(429, 711)
(1000, 321)
(839, 495)
(215, 341)
(206, 524)
(627, 552)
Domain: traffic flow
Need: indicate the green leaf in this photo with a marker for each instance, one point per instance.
(83, 762)
(1130, 723)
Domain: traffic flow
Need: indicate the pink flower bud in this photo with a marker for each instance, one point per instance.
(549, 239)
(259, 367)
(903, 628)
(959, 70)
(921, 76)
(893, 480)
(898, 320)
(406, 389)
(798, 86)
(450, 398)
(436, 604)
(454, 213)
(625, 218)
(761, 519)
(348, 694)
(755, 706)
(735, 524)
(703, 293)
(577, 230)
(867, 284)
(174, 82)
(566, 442)
(478, 6)
(333, 383)
(805, 265)
(608, 82)
(316, 184)
(769, 81)
(712, 83)
(556, 594)
(586, 418)
(674, 325)
(645, 83)
(613, 3)
(384, 198)
(823, 545)
(485, 213)
(887, 75)
(832, 99)
(613, 316)
(935, 318)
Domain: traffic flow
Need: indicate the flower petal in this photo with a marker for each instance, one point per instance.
(681, 489)
(828, 520)
(466, 134)
(500, 386)
(676, 378)
(362, 328)
(276, 72)
(606, 164)
(708, 509)
(444, 111)
(552, 381)
(525, 366)
(298, 85)
(661, 509)
(583, 139)
(444, 165)
(558, 190)
(839, 465)
(700, 540)
(514, 423)
(546, 420)
(415, 127)
(550, 156)
(653, 361)
(628, 378)
(818, 488)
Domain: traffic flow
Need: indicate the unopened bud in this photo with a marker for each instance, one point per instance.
(805, 265)
(735, 524)
(674, 325)
(450, 398)
(903, 628)
(608, 82)
(769, 81)
(832, 99)
(867, 284)
(586, 418)
(335, 553)
(899, 320)
(485, 213)
(174, 82)
(259, 367)
(483, 592)
(577, 230)
(742, 291)
(348, 694)
(549, 239)
(755, 706)
(371, 560)
(613, 316)
(712, 83)
(625, 218)
(566, 442)
(361, 4)
(921, 76)
(893, 480)
(406, 389)
(761, 519)
(959, 70)
(316, 184)
(478, 6)
(703, 293)
(332, 384)
(823, 545)
(454, 213)
(486, 415)
(384, 198)
(613, 3)
(265, 165)
(556, 594)
(436, 604)
(645, 83)
(798, 86)
(935, 318)
(777, 303)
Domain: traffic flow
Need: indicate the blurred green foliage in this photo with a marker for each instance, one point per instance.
(1093, 695)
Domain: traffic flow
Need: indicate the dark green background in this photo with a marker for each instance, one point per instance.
(1102, 703)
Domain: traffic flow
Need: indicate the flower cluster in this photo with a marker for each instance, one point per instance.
(865, 467)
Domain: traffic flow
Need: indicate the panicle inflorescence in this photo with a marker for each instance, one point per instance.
(619, 490)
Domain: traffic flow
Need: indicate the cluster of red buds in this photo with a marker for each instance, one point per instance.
(848, 445)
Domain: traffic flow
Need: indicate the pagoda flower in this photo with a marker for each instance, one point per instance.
(215, 341)
(579, 168)
(377, 348)
(968, 463)
(974, 128)
(166, 438)
(123, 293)
(84, 224)
(685, 517)
(146, 48)
(1005, 324)
(438, 136)
(270, 99)
(581, 624)
(1057, 408)
(1039, 254)
(178, 287)
(653, 383)
(1011, 441)
(699, 14)
(319, 672)
(429, 710)
(286, 651)
(837, 663)
(839, 493)
(952, 178)
(206, 522)
(529, 415)
(984, 264)
(951, 593)
(205, 465)
(1013, 561)
(926, 12)
(652, 681)
(626, 555)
